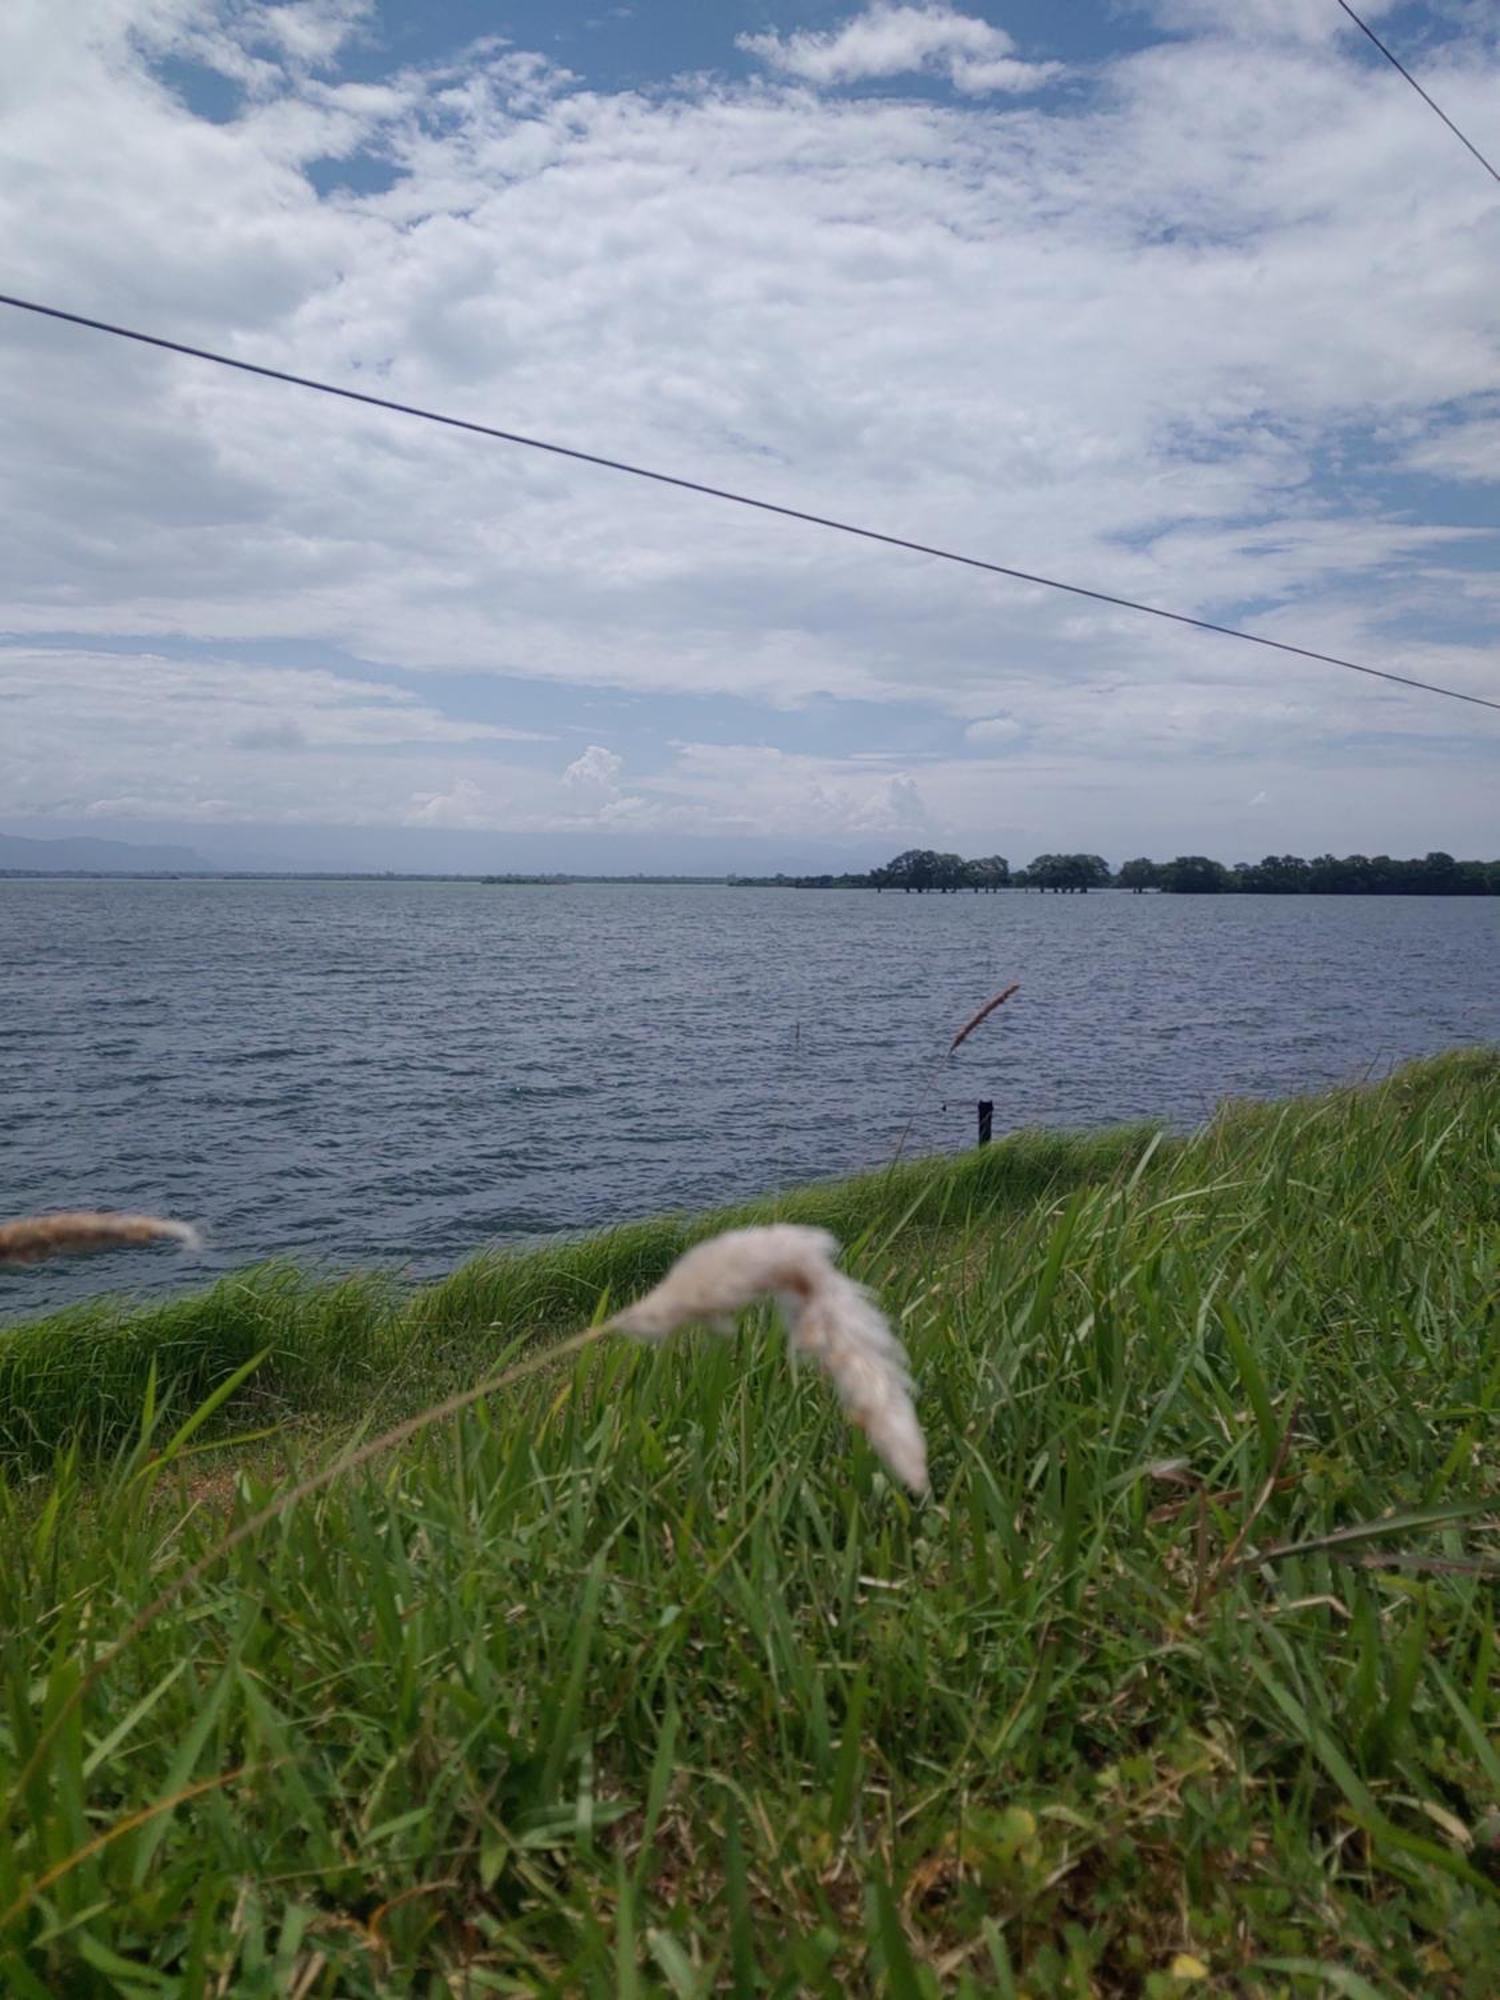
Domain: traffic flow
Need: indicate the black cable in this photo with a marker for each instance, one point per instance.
(1397, 64)
(725, 493)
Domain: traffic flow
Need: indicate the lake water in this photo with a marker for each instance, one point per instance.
(359, 1072)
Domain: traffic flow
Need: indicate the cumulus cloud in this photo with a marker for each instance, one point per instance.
(597, 769)
(751, 790)
(465, 806)
(889, 40)
(899, 808)
(593, 780)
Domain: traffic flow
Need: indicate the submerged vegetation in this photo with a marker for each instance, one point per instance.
(638, 1679)
(920, 871)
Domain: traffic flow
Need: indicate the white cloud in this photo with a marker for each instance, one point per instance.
(994, 729)
(1461, 451)
(465, 806)
(1154, 340)
(750, 790)
(132, 735)
(202, 701)
(899, 808)
(1261, 20)
(313, 31)
(597, 769)
(890, 40)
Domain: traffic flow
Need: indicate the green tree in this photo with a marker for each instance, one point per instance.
(915, 869)
(991, 871)
(1438, 874)
(1068, 873)
(1088, 871)
(1278, 875)
(1195, 875)
(1048, 871)
(1139, 874)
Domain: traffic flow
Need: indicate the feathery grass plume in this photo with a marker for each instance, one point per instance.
(827, 1316)
(30, 1238)
(984, 1014)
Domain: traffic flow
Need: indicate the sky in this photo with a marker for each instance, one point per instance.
(1189, 302)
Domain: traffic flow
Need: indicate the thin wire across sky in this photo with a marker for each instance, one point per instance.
(287, 378)
(1397, 64)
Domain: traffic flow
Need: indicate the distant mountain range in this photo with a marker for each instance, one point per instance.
(95, 857)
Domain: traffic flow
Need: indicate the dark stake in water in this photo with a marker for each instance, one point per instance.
(398, 1072)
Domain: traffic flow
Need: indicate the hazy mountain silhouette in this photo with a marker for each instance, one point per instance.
(115, 857)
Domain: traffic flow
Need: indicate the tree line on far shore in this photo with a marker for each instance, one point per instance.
(920, 871)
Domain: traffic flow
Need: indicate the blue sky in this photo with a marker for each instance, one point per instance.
(1191, 303)
(645, 45)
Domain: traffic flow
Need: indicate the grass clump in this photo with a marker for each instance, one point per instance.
(640, 1680)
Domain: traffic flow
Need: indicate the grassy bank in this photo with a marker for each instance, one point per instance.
(366, 1344)
(642, 1679)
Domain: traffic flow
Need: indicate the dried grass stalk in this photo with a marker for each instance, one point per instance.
(30, 1238)
(984, 1014)
(828, 1316)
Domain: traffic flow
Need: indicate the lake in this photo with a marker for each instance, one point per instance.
(398, 1072)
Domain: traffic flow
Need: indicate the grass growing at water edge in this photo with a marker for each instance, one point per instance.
(364, 1345)
(639, 1680)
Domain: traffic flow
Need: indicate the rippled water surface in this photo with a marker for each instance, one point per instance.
(369, 1071)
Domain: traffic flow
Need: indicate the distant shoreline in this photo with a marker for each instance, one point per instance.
(1461, 889)
(353, 875)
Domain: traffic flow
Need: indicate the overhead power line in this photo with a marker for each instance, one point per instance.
(725, 493)
(1397, 64)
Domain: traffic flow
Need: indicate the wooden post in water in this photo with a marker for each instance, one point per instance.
(986, 1120)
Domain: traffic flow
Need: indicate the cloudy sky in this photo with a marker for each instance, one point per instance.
(1187, 300)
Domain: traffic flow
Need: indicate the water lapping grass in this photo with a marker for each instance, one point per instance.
(641, 1678)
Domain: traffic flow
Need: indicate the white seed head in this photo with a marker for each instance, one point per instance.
(31, 1238)
(828, 1316)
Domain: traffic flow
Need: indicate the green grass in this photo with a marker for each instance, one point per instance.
(641, 1679)
(342, 1347)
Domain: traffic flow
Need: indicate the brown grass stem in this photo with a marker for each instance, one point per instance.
(984, 1014)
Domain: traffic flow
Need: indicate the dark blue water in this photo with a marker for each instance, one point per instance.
(398, 1072)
